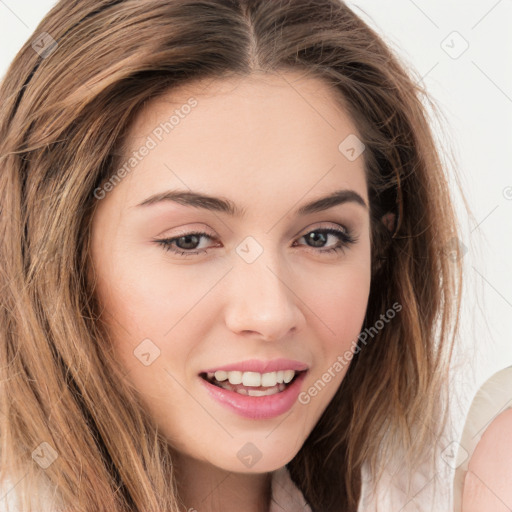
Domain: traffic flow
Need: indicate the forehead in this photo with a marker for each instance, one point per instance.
(251, 101)
(279, 133)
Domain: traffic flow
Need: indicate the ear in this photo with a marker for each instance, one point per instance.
(388, 220)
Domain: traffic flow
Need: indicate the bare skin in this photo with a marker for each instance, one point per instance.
(487, 483)
(270, 145)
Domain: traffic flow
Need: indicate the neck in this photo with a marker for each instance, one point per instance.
(203, 487)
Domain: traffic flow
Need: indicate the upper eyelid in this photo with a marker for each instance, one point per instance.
(320, 225)
(202, 233)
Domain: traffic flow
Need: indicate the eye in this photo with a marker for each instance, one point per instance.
(187, 244)
(176, 244)
(320, 236)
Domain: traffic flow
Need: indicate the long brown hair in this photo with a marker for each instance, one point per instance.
(66, 102)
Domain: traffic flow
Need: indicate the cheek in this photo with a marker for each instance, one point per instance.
(146, 298)
(339, 307)
(150, 308)
(339, 300)
(142, 295)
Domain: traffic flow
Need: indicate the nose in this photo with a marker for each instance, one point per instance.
(261, 301)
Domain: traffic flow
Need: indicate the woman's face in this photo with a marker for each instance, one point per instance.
(261, 283)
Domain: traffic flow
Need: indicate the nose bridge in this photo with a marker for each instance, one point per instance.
(261, 298)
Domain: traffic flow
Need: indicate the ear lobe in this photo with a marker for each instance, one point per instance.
(389, 221)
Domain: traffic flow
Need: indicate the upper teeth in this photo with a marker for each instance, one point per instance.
(254, 378)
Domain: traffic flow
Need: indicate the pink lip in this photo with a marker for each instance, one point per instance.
(260, 366)
(257, 407)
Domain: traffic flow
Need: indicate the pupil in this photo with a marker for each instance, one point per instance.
(314, 235)
(187, 237)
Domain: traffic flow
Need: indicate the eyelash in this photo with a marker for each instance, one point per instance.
(346, 239)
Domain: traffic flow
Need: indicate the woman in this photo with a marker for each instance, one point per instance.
(176, 177)
(484, 471)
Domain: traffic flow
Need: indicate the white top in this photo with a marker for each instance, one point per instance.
(426, 492)
(492, 399)
(286, 497)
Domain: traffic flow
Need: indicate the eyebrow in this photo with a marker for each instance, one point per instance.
(224, 205)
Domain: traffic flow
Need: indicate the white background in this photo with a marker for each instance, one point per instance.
(474, 93)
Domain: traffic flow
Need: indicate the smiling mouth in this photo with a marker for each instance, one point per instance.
(257, 390)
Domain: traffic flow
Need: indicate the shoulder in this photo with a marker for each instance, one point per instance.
(424, 486)
(488, 420)
(487, 482)
(493, 398)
